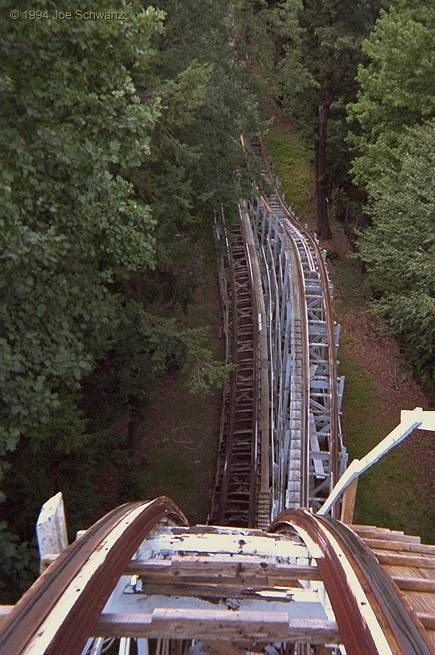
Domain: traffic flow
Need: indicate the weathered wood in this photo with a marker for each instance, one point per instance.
(396, 559)
(222, 625)
(390, 544)
(428, 619)
(414, 584)
(171, 587)
(217, 568)
(51, 527)
(348, 502)
(393, 535)
(189, 570)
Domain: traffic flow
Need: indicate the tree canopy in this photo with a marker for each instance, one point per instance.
(119, 140)
(393, 137)
(396, 87)
(71, 125)
(399, 246)
(319, 49)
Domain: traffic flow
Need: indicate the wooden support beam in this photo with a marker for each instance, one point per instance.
(367, 532)
(51, 529)
(348, 502)
(217, 624)
(218, 590)
(190, 569)
(218, 569)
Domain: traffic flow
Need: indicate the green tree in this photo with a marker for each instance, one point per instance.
(70, 123)
(396, 87)
(320, 49)
(119, 140)
(393, 165)
(207, 100)
(399, 247)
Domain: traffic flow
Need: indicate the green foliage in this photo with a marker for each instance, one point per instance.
(17, 563)
(318, 48)
(292, 165)
(196, 150)
(396, 87)
(399, 246)
(70, 123)
(394, 167)
(118, 138)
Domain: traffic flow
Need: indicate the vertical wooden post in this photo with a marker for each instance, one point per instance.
(51, 528)
(348, 502)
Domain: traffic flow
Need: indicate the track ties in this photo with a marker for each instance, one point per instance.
(234, 498)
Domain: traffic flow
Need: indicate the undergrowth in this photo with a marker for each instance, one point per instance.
(291, 163)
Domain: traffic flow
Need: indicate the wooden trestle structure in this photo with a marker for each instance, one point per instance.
(141, 576)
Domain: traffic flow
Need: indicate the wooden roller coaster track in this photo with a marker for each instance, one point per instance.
(304, 585)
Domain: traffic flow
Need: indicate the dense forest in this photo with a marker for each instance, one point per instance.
(120, 142)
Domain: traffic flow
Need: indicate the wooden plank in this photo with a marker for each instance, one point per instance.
(51, 529)
(229, 573)
(212, 569)
(171, 587)
(390, 544)
(372, 532)
(414, 584)
(428, 619)
(348, 503)
(396, 559)
(216, 624)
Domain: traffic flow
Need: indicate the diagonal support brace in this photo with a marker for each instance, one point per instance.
(410, 420)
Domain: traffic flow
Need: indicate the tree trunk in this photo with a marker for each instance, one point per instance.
(320, 137)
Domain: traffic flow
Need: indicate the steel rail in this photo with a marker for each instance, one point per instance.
(305, 471)
(326, 297)
(58, 613)
(300, 305)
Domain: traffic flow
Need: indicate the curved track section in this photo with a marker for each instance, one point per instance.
(59, 612)
(372, 616)
(309, 581)
(306, 395)
(287, 333)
